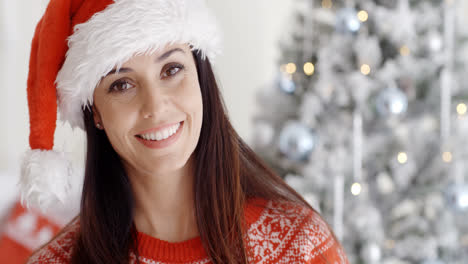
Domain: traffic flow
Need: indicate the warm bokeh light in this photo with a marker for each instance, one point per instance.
(404, 50)
(356, 188)
(309, 68)
(447, 156)
(327, 3)
(390, 244)
(461, 109)
(402, 157)
(291, 68)
(365, 69)
(363, 15)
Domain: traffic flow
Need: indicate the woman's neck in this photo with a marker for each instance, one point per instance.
(164, 205)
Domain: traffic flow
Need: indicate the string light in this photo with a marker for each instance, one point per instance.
(404, 50)
(327, 3)
(291, 68)
(362, 15)
(402, 157)
(461, 109)
(390, 244)
(309, 68)
(447, 156)
(365, 69)
(356, 189)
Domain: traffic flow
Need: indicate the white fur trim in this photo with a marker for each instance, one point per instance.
(47, 180)
(126, 28)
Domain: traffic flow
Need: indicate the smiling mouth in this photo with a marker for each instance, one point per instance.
(161, 135)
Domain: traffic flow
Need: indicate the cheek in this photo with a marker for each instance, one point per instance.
(194, 104)
(189, 100)
(117, 119)
(116, 114)
(197, 116)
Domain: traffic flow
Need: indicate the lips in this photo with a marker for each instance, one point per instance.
(160, 134)
(163, 142)
(156, 129)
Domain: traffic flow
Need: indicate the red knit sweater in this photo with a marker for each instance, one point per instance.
(280, 232)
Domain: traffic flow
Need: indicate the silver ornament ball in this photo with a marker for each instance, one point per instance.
(347, 21)
(391, 101)
(296, 141)
(456, 196)
(286, 83)
(371, 253)
(434, 41)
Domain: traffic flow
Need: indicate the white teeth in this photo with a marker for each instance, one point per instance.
(160, 135)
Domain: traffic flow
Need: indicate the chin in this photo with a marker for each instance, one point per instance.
(163, 166)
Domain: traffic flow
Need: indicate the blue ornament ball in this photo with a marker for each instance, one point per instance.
(391, 101)
(286, 83)
(347, 21)
(296, 141)
(456, 196)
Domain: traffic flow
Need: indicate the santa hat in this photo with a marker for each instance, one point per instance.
(76, 43)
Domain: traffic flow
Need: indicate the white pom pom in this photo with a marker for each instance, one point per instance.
(45, 179)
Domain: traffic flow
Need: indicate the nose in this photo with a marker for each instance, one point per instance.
(153, 102)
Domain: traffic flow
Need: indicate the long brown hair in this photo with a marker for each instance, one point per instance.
(227, 172)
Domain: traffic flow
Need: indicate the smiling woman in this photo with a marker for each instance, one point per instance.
(167, 178)
(150, 97)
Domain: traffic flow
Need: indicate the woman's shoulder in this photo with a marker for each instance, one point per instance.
(289, 232)
(59, 249)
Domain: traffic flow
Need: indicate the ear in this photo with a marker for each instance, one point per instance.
(96, 115)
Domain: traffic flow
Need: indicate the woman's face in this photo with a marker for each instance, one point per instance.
(151, 110)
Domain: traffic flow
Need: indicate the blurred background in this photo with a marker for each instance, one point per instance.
(360, 105)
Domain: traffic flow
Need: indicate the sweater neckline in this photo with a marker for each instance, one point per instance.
(192, 249)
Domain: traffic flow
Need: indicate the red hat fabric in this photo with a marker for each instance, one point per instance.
(48, 50)
(76, 43)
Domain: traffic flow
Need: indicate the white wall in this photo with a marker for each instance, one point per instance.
(17, 21)
(250, 31)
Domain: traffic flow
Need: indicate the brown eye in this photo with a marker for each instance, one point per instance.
(120, 86)
(172, 70)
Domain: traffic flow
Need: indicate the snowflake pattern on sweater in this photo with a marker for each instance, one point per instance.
(282, 233)
(287, 233)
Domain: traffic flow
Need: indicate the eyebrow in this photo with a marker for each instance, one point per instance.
(159, 59)
(167, 54)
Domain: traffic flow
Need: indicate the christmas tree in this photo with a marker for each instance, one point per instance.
(367, 120)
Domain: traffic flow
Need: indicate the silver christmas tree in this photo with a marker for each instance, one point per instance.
(367, 120)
